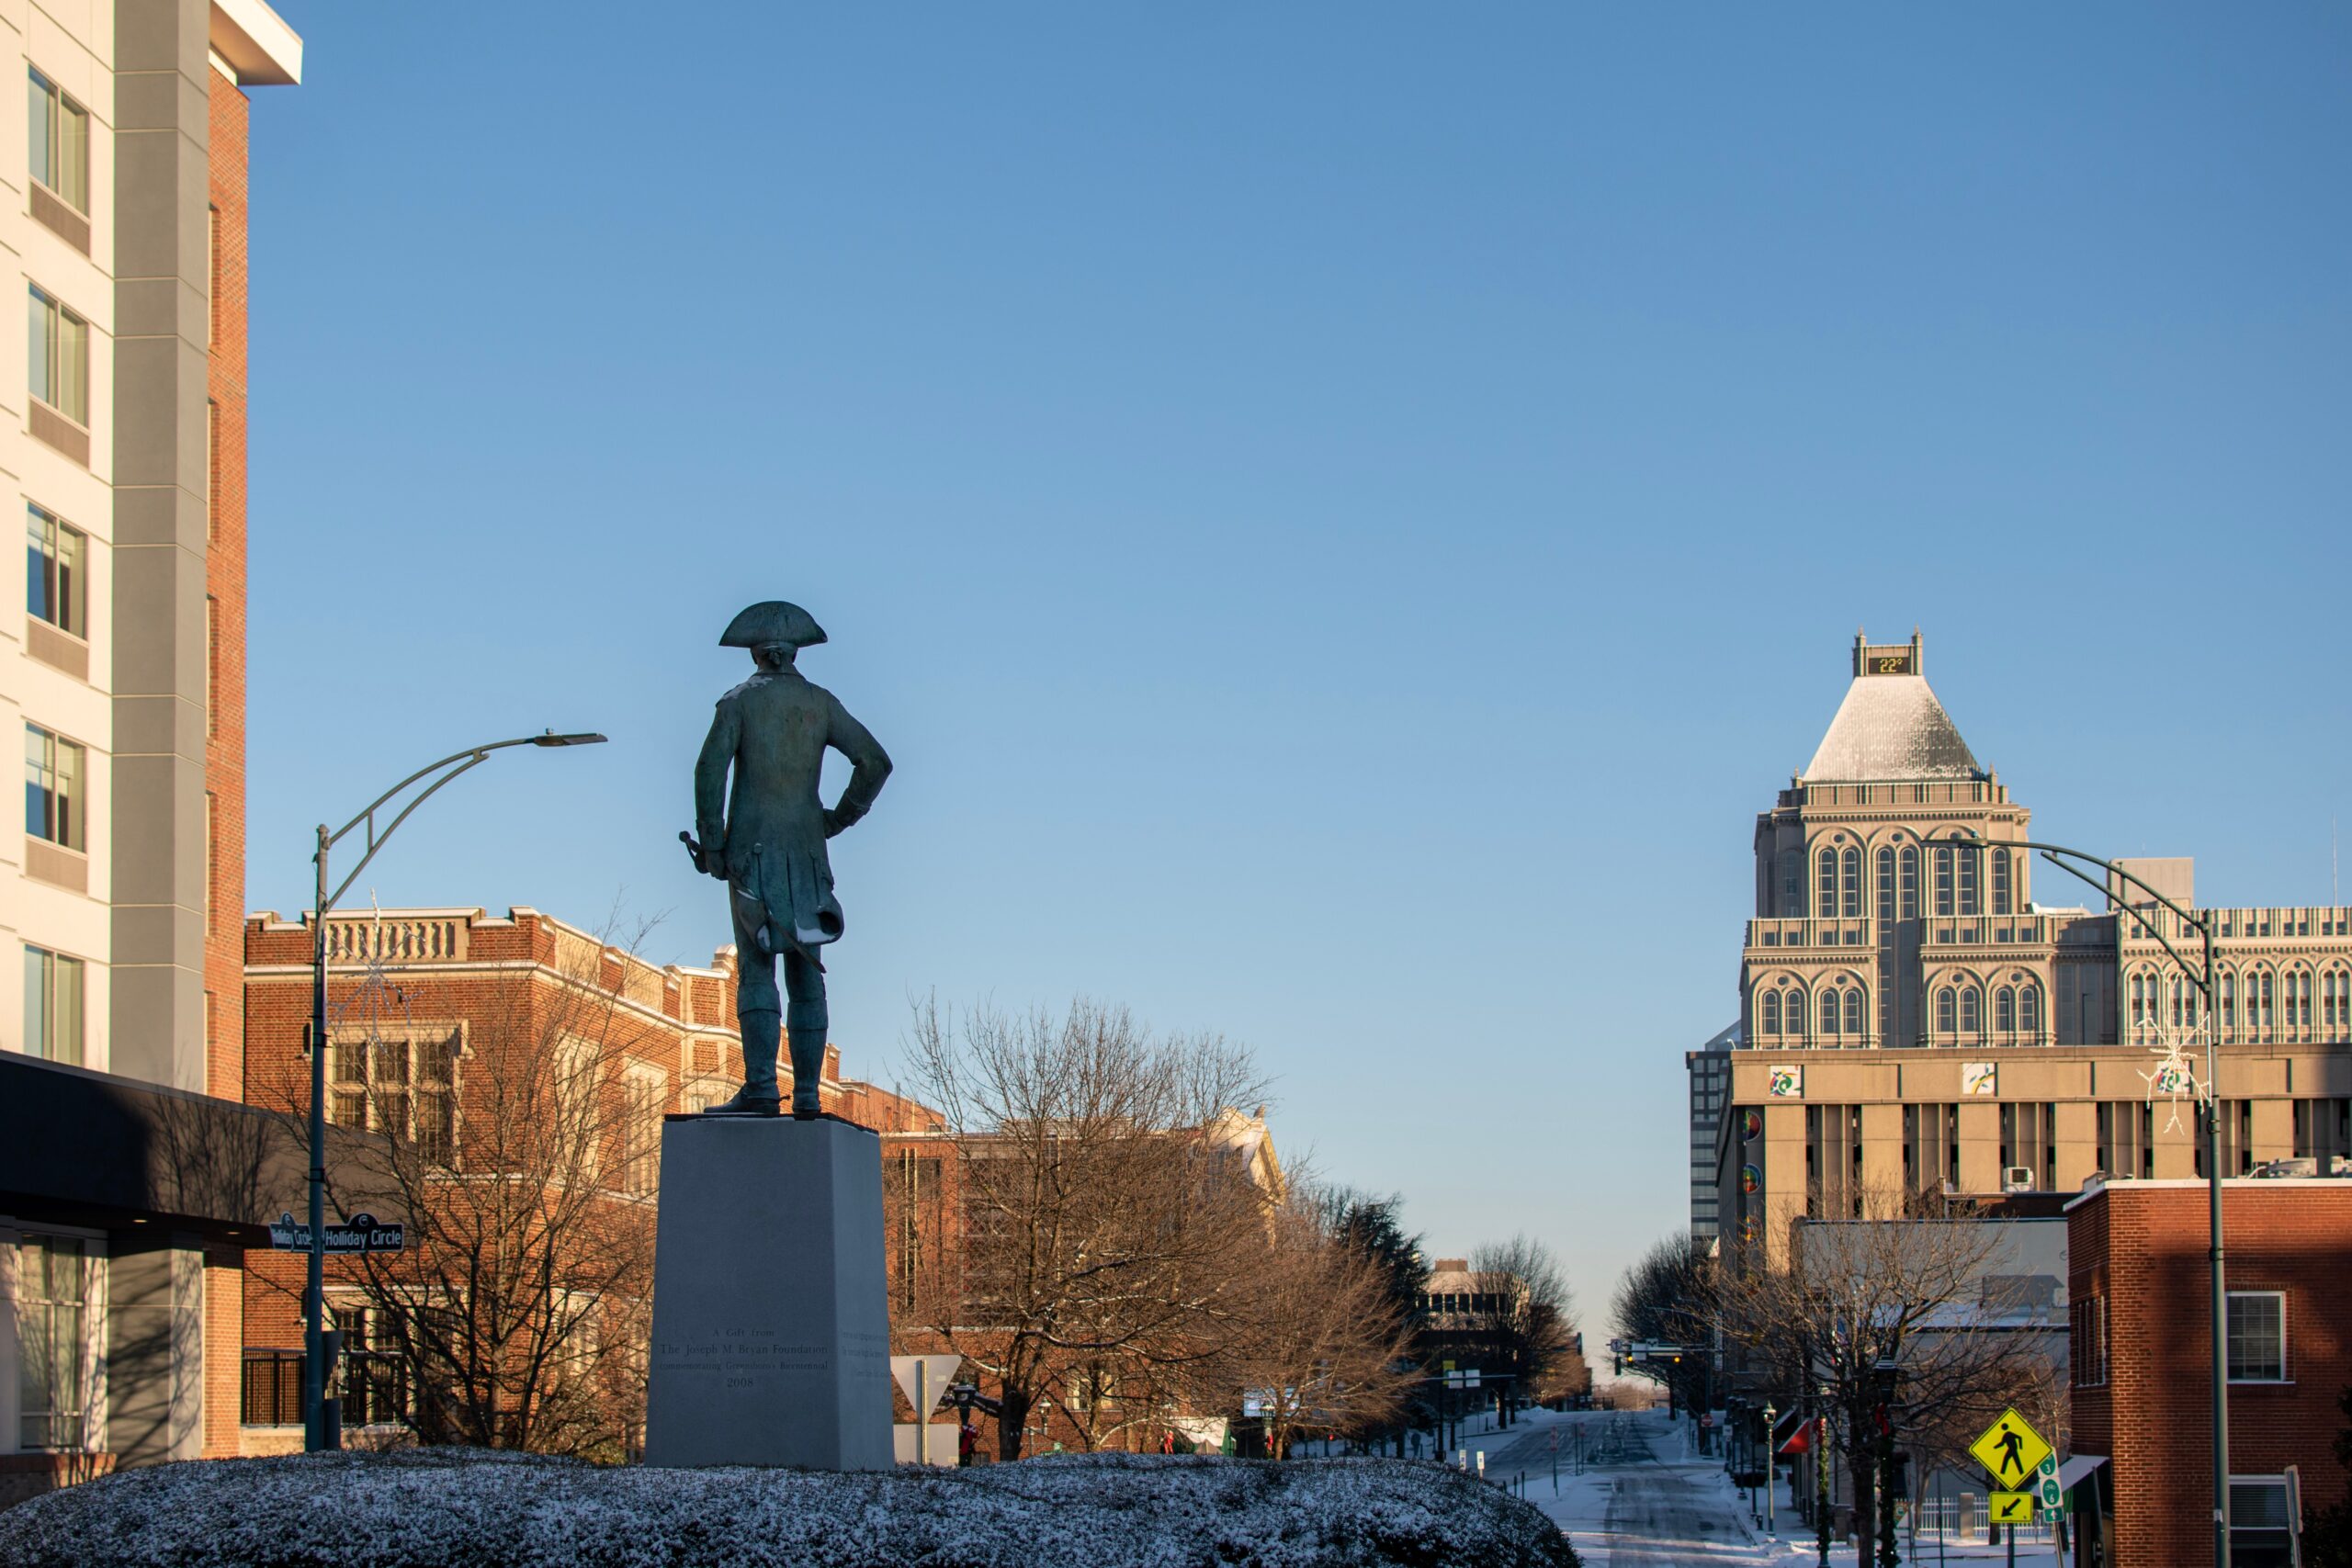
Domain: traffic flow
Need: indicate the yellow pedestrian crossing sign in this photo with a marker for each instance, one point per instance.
(2012, 1507)
(2011, 1449)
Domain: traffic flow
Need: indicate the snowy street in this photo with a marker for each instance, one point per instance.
(1646, 1501)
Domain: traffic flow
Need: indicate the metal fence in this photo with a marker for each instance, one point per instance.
(1960, 1517)
(375, 1389)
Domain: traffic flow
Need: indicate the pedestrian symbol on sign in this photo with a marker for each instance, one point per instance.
(2011, 1449)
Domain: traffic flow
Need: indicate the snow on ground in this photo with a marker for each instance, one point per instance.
(442, 1507)
(1646, 1499)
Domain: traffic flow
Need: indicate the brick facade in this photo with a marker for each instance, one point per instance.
(497, 985)
(2136, 1259)
(224, 755)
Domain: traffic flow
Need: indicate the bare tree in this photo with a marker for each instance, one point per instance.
(1327, 1349)
(1667, 1296)
(1900, 1322)
(1528, 1326)
(1107, 1201)
(520, 1146)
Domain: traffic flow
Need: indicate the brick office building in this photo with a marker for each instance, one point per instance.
(936, 1218)
(442, 1024)
(2142, 1358)
(121, 901)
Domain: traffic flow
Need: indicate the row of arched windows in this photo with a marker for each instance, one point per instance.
(2016, 1010)
(1954, 874)
(2254, 1003)
(1782, 1011)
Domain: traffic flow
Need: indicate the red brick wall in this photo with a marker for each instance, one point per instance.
(224, 763)
(2146, 1243)
(494, 989)
(224, 757)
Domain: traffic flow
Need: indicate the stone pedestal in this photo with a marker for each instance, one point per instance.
(771, 1322)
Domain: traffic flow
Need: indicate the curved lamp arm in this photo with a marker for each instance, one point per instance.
(448, 768)
(1969, 838)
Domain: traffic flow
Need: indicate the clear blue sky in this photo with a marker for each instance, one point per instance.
(1341, 513)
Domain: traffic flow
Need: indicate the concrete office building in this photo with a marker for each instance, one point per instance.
(1913, 1020)
(1710, 1070)
(120, 903)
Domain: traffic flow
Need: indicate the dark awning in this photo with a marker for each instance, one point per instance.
(2072, 1473)
(83, 1147)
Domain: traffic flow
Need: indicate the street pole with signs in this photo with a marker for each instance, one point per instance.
(2205, 979)
(315, 1436)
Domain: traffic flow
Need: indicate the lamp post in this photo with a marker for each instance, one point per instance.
(2205, 980)
(314, 1434)
(1771, 1522)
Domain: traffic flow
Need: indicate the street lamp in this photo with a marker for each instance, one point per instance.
(314, 1436)
(2205, 980)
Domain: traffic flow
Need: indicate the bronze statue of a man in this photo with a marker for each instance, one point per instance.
(766, 842)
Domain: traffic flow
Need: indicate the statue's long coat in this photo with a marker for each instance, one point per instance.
(771, 828)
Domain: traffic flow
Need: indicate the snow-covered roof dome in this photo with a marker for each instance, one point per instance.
(1891, 727)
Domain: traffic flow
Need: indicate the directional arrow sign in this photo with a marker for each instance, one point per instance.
(2012, 1507)
(2011, 1449)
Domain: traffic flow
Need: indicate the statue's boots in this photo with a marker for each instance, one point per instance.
(807, 1073)
(758, 1096)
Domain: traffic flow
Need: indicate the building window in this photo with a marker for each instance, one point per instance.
(1947, 1016)
(2029, 1008)
(405, 1086)
(60, 143)
(2229, 1001)
(2336, 1000)
(1791, 885)
(59, 358)
(1971, 1011)
(2000, 882)
(2087, 1356)
(1885, 890)
(1851, 903)
(55, 589)
(2299, 999)
(2261, 1535)
(1910, 883)
(2257, 1337)
(2005, 1011)
(1969, 860)
(53, 788)
(1824, 904)
(2259, 1002)
(1772, 1024)
(1854, 1011)
(1796, 1012)
(52, 1342)
(52, 1006)
(1943, 881)
(640, 1134)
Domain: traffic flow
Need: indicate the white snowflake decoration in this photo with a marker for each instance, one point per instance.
(2172, 1074)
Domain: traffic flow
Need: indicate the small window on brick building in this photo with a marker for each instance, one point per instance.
(2261, 1534)
(2257, 1337)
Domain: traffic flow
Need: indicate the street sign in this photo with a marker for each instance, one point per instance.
(361, 1232)
(2012, 1507)
(2054, 1501)
(2011, 1449)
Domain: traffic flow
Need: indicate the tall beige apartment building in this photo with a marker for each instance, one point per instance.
(123, 1209)
(1914, 1019)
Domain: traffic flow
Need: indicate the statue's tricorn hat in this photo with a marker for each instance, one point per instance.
(772, 621)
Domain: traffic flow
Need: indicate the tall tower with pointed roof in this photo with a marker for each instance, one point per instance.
(1913, 1022)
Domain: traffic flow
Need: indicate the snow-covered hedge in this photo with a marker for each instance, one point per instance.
(467, 1509)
